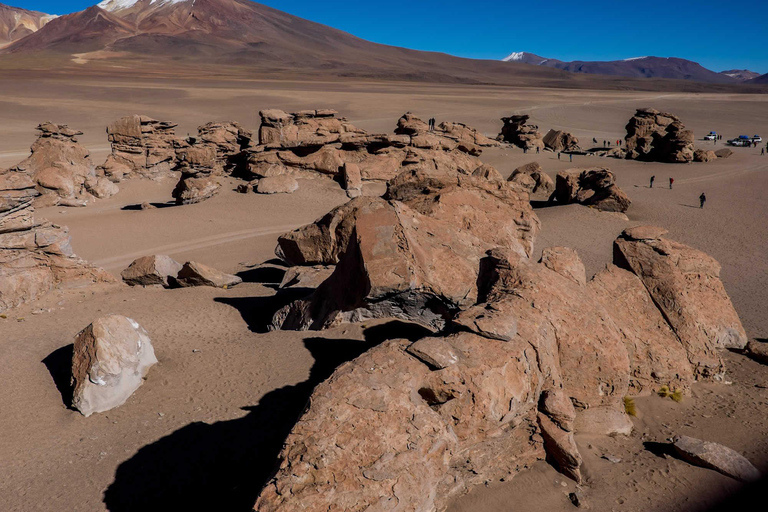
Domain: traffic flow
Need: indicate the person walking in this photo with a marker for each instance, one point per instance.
(653, 178)
(538, 150)
(558, 155)
(594, 140)
(702, 200)
(671, 182)
(762, 152)
(570, 155)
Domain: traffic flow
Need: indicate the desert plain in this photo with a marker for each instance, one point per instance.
(204, 431)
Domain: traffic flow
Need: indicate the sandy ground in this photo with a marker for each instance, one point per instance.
(205, 429)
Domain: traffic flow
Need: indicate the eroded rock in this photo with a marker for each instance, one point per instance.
(715, 456)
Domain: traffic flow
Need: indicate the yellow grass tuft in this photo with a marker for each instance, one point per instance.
(629, 406)
(664, 391)
(677, 396)
(668, 392)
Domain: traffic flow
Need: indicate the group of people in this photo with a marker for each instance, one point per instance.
(607, 143)
(702, 197)
(432, 123)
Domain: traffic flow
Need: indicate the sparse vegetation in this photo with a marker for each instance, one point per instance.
(629, 406)
(668, 392)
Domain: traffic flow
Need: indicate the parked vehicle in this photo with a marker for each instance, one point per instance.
(710, 136)
(742, 141)
(757, 139)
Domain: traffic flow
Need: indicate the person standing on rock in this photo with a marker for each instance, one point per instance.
(671, 182)
(702, 200)
(653, 178)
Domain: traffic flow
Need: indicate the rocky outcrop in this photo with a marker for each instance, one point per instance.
(558, 140)
(685, 285)
(533, 178)
(36, 257)
(724, 153)
(282, 184)
(517, 131)
(111, 358)
(533, 354)
(61, 168)
(151, 271)
(141, 147)
(701, 155)
(591, 187)
(659, 137)
(193, 189)
(229, 141)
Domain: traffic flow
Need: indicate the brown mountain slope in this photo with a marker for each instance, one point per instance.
(17, 23)
(244, 38)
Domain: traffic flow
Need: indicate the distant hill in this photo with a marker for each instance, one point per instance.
(762, 79)
(742, 75)
(17, 23)
(637, 67)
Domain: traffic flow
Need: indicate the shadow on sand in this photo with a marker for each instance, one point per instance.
(134, 207)
(223, 466)
(59, 365)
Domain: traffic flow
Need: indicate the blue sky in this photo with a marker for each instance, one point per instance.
(718, 34)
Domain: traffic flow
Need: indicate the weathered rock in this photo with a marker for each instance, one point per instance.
(282, 184)
(16, 186)
(101, 187)
(758, 350)
(306, 277)
(151, 270)
(306, 128)
(197, 274)
(685, 285)
(603, 421)
(558, 140)
(659, 137)
(191, 190)
(517, 131)
(701, 155)
(533, 178)
(591, 187)
(488, 172)
(111, 358)
(715, 456)
(723, 153)
(230, 141)
(566, 262)
(352, 180)
(141, 147)
(36, 257)
(561, 446)
(645, 233)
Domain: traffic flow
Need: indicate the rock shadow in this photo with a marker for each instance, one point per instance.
(224, 465)
(134, 207)
(59, 365)
(663, 450)
(258, 311)
(263, 275)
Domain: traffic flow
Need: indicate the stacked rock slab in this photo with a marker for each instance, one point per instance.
(141, 147)
(659, 137)
(62, 169)
(517, 131)
(591, 187)
(36, 257)
(541, 353)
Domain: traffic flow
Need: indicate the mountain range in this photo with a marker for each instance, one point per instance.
(206, 37)
(640, 67)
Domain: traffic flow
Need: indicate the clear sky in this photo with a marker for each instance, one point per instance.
(716, 33)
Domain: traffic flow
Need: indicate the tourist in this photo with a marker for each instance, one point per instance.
(538, 150)
(653, 178)
(702, 200)
(671, 181)
(570, 155)
(558, 155)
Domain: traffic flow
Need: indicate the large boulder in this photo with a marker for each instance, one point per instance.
(715, 456)
(197, 274)
(533, 178)
(191, 190)
(701, 155)
(151, 271)
(659, 137)
(141, 147)
(282, 184)
(111, 358)
(558, 140)
(685, 285)
(591, 187)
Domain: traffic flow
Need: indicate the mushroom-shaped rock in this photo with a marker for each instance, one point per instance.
(111, 358)
(151, 270)
(197, 274)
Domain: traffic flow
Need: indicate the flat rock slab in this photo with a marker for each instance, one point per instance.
(111, 358)
(197, 274)
(306, 277)
(715, 456)
(603, 421)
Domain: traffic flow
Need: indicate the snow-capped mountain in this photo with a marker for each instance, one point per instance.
(636, 67)
(741, 74)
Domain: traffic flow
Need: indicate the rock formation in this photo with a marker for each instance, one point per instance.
(533, 178)
(193, 189)
(141, 147)
(558, 140)
(659, 137)
(151, 271)
(716, 456)
(530, 353)
(111, 358)
(62, 170)
(36, 257)
(591, 187)
(197, 274)
(517, 131)
(282, 184)
(701, 155)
